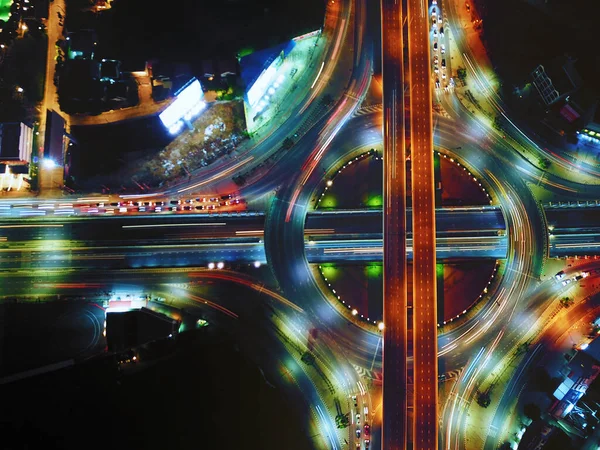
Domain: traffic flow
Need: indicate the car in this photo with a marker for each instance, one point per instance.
(443, 75)
(160, 203)
(435, 59)
(357, 419)
(211, 207)
(147, 203)
(213, 199)
(367, 442)
(199, 207)
(560, 275)
(122, 209)
(354, 400)
(189, 200)
(437, 83)
(175, 202)
(434, 32)
(578, 277)
(434, 2)
(435, 45)
(142, 209)
(100, 205)
(358, 432)
(433, 11)
(223, 203)
(114, 204)
(435, 69)
(366, 410)
(443, 48)
(443, 62)
(367, 429)
(585, 274)
(158, 209)
(187, 208)
(439, 19)
(442, 31)
(175, 208)
(567, 281)
(226, 197)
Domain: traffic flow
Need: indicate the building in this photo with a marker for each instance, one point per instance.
(54, 142)
(81, 44)
(110, 70)
(539, 435)
(16, 142)
(582, 371)
(591, 131)
(129, 329)
(557, 80)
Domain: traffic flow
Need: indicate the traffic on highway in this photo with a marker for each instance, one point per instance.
(410, 82)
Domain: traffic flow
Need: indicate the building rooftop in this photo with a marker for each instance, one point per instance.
(133, 328)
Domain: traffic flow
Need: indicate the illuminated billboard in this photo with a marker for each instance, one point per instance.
(188, 104)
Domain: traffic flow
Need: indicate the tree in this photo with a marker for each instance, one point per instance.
(483, 399)
(544, 163)
(532, 411)
(462, 74)
(566, 301)
(342, 420)
(308, 359)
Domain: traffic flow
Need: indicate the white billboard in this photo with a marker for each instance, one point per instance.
(188, 103)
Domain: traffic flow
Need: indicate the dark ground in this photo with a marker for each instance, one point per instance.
(519, 36)
(206, 395)
(192, 30)
(36, 334)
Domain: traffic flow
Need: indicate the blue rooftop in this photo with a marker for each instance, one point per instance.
(253, 65)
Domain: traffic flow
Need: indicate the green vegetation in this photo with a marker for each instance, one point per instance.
(308, 359)
(25, 65)
(566, 301)
(342, 420)
(328, 201)
(329, 271)
(462, 74)
(374, 270)
(5, 9)
(544, 163)
(375, 201)
(245, 52)
(483, 399)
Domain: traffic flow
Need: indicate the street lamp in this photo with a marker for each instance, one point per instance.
(48, 163)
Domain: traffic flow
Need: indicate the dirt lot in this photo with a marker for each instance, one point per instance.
(139, 154)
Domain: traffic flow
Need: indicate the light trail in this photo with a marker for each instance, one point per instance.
(32, 226)
(318, 74)
(168, 225)
(218, 175)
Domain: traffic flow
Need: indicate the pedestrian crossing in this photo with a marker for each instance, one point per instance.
(378, 377)
(371, 109)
